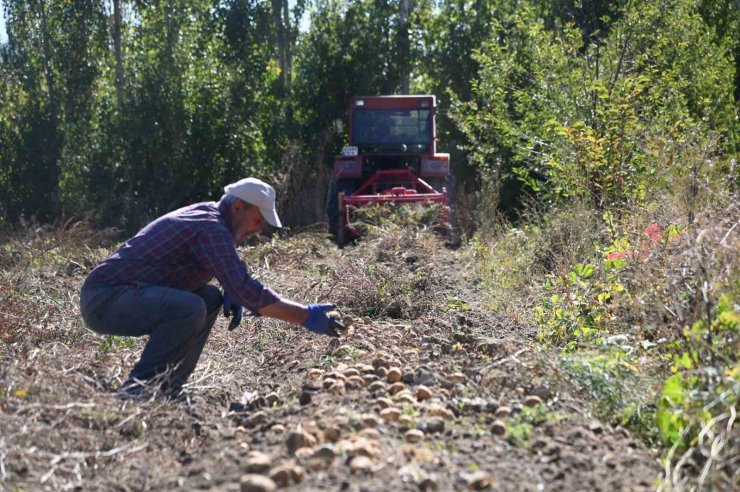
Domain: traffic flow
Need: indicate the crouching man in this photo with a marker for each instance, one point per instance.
(156, 284)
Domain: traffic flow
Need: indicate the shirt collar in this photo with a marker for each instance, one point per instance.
(223, 209)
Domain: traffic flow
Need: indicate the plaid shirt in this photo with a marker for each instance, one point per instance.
(184, 250)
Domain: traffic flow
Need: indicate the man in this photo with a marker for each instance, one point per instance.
(156, 284)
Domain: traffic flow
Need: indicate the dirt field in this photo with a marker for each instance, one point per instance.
(430, 390)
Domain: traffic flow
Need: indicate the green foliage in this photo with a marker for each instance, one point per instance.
(115, 344)
(520, 425)
(706, 378)
(617, 385)
(576, 306)
(587, 121)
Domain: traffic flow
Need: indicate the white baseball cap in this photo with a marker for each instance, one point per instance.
(258, 193)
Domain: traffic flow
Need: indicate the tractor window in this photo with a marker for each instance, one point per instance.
(378, 130)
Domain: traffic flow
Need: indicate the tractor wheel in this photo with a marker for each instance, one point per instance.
(451, 231)
(336, 223)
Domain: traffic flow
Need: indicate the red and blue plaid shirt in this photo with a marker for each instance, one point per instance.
(184, 250)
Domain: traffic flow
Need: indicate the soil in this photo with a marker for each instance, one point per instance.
(478, 405)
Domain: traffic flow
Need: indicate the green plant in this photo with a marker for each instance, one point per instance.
(618, 387)
(706, 376)
(519, 428)
(113, 343)
(575, 307)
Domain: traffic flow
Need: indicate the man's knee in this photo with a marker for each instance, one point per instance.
(211, 296)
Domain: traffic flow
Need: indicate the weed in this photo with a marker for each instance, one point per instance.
(519, 428)
(115, 344)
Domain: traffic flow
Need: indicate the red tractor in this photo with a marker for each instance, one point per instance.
(391, 157)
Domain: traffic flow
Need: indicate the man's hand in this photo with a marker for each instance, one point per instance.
(319, 322)
(233, 310)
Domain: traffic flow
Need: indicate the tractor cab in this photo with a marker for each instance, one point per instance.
(391, 157)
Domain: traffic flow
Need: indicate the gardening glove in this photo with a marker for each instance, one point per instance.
(319, 322)
(233, 310)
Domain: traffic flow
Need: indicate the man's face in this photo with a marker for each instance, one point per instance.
(245, 221)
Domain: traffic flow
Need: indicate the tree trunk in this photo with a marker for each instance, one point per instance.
(46, 56)
(117, 51)
(403, 47)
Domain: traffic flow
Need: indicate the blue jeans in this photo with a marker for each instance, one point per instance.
(178, 323)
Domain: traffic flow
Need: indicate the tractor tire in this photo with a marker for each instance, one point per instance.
(453, 231)
(336, 223)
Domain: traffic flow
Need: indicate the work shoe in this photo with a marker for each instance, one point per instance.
(132, 389)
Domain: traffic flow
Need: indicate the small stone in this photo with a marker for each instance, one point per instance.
(257, 462)
(423, 393)
(442, 412)
(368, 420)
(272, 399)
(365, 368)
(315, 373)
(338, 388)
(325, 452)
(427, 483)
(390, 414)
(444, 393)
(342, 351)
(257, 418)
(376, 386)
(434, 426)
(356, 382)
(405, 398)
(455, 377)
(365, 447)
(380, 361)
(351, 372)
(299, 439)
(384, 402)
(237, 407)
(519, 390)
(413, 435)
(478, 480)
(396, 387)
(278, 429)
(369, 378)
(286, 475)
(498, 428)
(257, 483)
(503, 411)
(490, 346)
(424, 376)
(332, 433)
(370, 433)
(304, 453)
(360, 464)
(381, 372)
(532, 401)
(366, 320)
(405, 421)
(408, 378)
(595, 427)
(305, 398)
(328, 382)
(394, 375)
(542, 391)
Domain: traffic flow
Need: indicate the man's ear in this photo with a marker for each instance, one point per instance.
(237, 205)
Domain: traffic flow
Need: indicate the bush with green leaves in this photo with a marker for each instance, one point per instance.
(590, 121)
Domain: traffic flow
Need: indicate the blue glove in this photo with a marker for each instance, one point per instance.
(319, 322)
(233, 310)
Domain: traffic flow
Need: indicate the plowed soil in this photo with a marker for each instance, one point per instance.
(429, 390)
